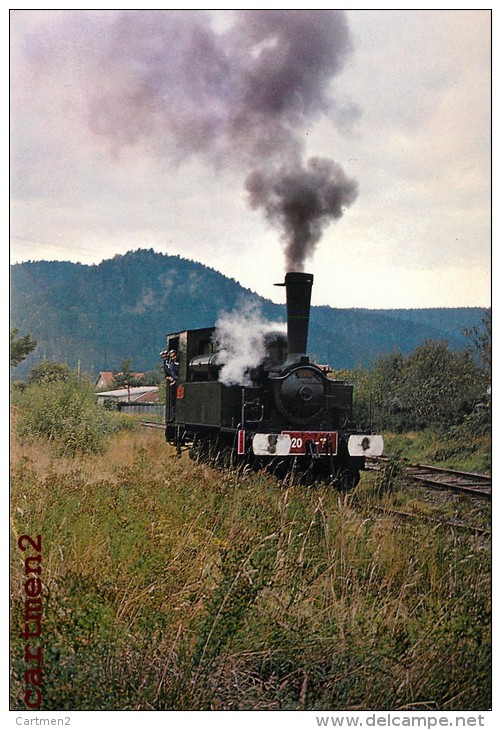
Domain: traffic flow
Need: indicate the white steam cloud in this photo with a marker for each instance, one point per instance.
(241, 339)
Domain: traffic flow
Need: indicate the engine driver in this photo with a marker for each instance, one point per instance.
(170, 366)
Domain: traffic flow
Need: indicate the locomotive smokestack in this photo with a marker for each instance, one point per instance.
(298, 296)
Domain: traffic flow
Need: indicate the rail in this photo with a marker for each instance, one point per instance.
(471, 483)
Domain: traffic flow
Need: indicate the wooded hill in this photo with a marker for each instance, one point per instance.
(98, 315)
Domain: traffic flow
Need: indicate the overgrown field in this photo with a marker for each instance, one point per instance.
(169, 585)
(454, 449)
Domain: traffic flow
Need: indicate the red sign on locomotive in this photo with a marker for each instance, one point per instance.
(323, 442)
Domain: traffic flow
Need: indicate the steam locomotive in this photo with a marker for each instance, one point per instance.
(289, 417)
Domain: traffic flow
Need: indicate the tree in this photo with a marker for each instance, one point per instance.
(481, 349)
(377, 397)
(125, 378)
(20, 348)
(440, 387)
(480, 337)
(49, 371)
(431, 387)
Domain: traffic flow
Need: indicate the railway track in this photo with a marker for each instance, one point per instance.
(475, 485)
(409, 516)
(454, 480)
(153, 424)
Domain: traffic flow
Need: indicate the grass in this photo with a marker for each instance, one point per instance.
(169, 585)
(456, 449)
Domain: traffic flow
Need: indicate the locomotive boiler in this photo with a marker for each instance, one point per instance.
(289, 416)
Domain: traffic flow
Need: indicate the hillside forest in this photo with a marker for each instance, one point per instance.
(95, 316)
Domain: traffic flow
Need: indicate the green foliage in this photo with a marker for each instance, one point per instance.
(479, 421)
(20, 347)
(49, 371)
(480, 337)
(65, 411)
(110, 404)
(431, 387)
(440, 386)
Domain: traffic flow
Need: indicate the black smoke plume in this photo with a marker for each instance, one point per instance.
(301, 202)
(177, 83)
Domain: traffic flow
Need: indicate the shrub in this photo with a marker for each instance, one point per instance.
(66, 412)
(432, 386)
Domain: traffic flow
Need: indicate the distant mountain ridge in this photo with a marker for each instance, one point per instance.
(97, 315)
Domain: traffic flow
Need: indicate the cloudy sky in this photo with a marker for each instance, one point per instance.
(354, 145)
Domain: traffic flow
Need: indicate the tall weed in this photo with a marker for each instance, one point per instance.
(171, 586)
